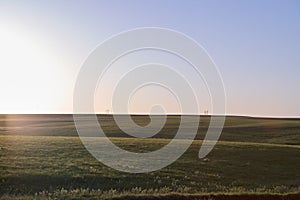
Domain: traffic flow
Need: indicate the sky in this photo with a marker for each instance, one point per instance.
(255, 45)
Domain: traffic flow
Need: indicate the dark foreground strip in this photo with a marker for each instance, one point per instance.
(214, 197)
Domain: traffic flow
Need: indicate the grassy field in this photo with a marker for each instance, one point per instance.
(42, 157)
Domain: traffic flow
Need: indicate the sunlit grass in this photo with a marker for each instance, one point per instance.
(60, 167)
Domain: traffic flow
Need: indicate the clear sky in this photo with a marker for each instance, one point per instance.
(255, 44)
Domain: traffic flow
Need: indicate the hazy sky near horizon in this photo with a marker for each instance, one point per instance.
(255, 44)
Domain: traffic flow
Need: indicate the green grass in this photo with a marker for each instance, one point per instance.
(41, 156)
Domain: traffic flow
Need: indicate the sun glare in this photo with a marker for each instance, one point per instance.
(28, 73)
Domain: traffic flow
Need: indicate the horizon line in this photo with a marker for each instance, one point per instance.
(163, 114)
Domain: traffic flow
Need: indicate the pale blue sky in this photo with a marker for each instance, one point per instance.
(254, 43)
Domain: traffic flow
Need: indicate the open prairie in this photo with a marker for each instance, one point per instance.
(42, 157)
